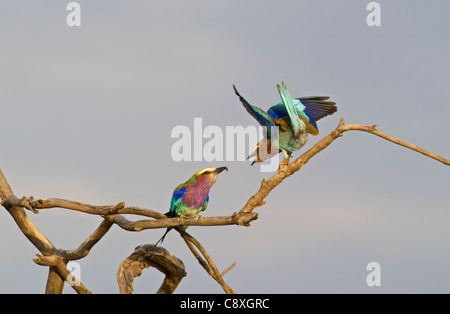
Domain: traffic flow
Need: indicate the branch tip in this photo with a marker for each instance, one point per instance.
(120, 205)
(228, 269)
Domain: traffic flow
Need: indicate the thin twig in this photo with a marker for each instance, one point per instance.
(228, 269)
(373, 130)
(212, 268)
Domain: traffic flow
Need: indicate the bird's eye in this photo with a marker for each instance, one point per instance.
(206, 172)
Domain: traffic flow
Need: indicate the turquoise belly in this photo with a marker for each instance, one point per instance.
(290, 143)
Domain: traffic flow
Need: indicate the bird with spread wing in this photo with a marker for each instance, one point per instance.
(288, 123)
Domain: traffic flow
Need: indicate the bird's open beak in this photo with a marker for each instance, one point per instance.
(220, 169)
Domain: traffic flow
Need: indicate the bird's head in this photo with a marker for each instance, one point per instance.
(208, 175)
(263, 151)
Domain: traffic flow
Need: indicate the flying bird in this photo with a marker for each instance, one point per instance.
(192, 197)
(288, 122)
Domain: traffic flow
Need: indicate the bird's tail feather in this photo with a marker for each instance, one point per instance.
(162, 238)
(168, 214)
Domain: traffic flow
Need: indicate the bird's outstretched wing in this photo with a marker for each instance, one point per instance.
(309, 109)
(318, 107)
(260, 115)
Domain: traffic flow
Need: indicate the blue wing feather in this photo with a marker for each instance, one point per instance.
(277, 111)
(318, 107)
(260, 115)
(312, 122)
(313, 108)
(176, 198)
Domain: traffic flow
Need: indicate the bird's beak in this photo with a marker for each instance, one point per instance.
(220, 169)
(253, 162)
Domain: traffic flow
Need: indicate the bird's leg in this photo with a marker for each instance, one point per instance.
(181, 220)
(287, 156)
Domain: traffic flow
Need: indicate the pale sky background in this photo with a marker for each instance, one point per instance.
(87, 113)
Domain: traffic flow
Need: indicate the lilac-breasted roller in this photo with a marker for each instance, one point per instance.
(288, 122)
(192, 197)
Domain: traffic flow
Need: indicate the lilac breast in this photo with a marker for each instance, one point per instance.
(196, 194)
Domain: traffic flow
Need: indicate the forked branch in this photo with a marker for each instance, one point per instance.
(287, 170)
(56, 259)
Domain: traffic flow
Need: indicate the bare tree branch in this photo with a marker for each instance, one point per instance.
(145, 256)
(58, 263)
(56, 259)
(235, 219)
(209, 265)
(287, 170)
(55, 283)
(23, 222)
(373, 130)
(112, 214)
(85, 247)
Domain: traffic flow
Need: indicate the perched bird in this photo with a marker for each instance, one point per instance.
(192, 197)
(288, 122)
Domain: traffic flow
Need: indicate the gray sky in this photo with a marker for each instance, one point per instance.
(87, 113)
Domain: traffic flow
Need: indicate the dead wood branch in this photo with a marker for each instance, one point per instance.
(209, 265)
(145, 256)
(56, 259)
(287, 170)
(58, 263)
